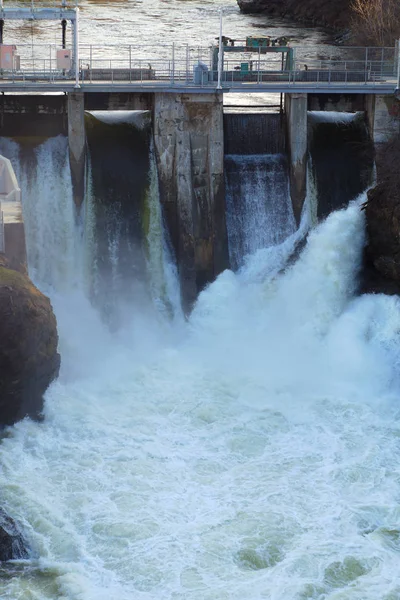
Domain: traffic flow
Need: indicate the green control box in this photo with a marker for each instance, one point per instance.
(258, 42)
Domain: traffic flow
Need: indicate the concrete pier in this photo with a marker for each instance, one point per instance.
(77, 144)
(12, 231)
(296, 121)
(383, 115)
(188, 135)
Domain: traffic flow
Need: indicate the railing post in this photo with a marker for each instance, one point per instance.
(173, 65)
(76, 46)
(220, 53)
(187, 63)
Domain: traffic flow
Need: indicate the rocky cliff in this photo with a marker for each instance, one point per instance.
(382, 255)
(320, 12)
(28, 352)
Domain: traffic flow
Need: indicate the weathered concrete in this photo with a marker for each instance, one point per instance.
(77, 144)
(383, 118)
(296, 118)
(370, 113)
(188, 135)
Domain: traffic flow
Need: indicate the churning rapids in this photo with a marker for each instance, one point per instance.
(250, 452)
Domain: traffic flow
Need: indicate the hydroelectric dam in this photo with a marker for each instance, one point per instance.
(191, 137)
(47, 90)
(217, 393)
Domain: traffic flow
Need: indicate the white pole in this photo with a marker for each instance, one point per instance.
(220, 53)
(173, 64)
(76, 47)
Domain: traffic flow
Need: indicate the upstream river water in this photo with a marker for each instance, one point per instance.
(150, 27)
(250, 452)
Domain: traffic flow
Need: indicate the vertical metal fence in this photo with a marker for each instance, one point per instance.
(186, 65)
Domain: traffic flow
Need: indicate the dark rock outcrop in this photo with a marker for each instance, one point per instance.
(319, 12)
(12, 542)
(28, 353)
(382, 255)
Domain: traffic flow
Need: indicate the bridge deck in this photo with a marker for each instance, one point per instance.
(368, 87)
(175, 69)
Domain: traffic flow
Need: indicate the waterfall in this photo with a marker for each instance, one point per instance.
(53, 233)
(259, 133)
(240, 457)
(251, 451)
(259, 211)
(102, 251)
(342, 158)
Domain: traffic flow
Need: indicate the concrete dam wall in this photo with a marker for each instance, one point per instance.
(228, 184)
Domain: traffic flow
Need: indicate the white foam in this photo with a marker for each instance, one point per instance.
(252, 455)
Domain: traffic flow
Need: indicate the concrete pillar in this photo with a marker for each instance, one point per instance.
(77, 144)
(188, 136)
(383, 113)
(369, 109)
(296, 118)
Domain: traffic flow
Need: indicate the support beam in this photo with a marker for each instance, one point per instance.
(77, 144)
(296, 118)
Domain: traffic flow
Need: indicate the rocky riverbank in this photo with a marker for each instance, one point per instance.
(336, 15)
(29, 361)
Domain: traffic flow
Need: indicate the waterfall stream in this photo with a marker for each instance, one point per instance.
(259, 211)
(250, 452)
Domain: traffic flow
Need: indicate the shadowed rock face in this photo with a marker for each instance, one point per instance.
(12, 543)
(321, 12)
(29, 361)
(382, 256)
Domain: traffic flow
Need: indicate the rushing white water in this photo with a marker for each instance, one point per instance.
(54, 241)
(259, 210)
(253, 454)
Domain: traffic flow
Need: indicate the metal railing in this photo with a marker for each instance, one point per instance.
(193, 66)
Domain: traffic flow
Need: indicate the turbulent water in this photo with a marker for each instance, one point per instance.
(251, 452)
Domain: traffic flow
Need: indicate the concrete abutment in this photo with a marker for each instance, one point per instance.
(188, 136)
(296, 127)
(77, 144)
